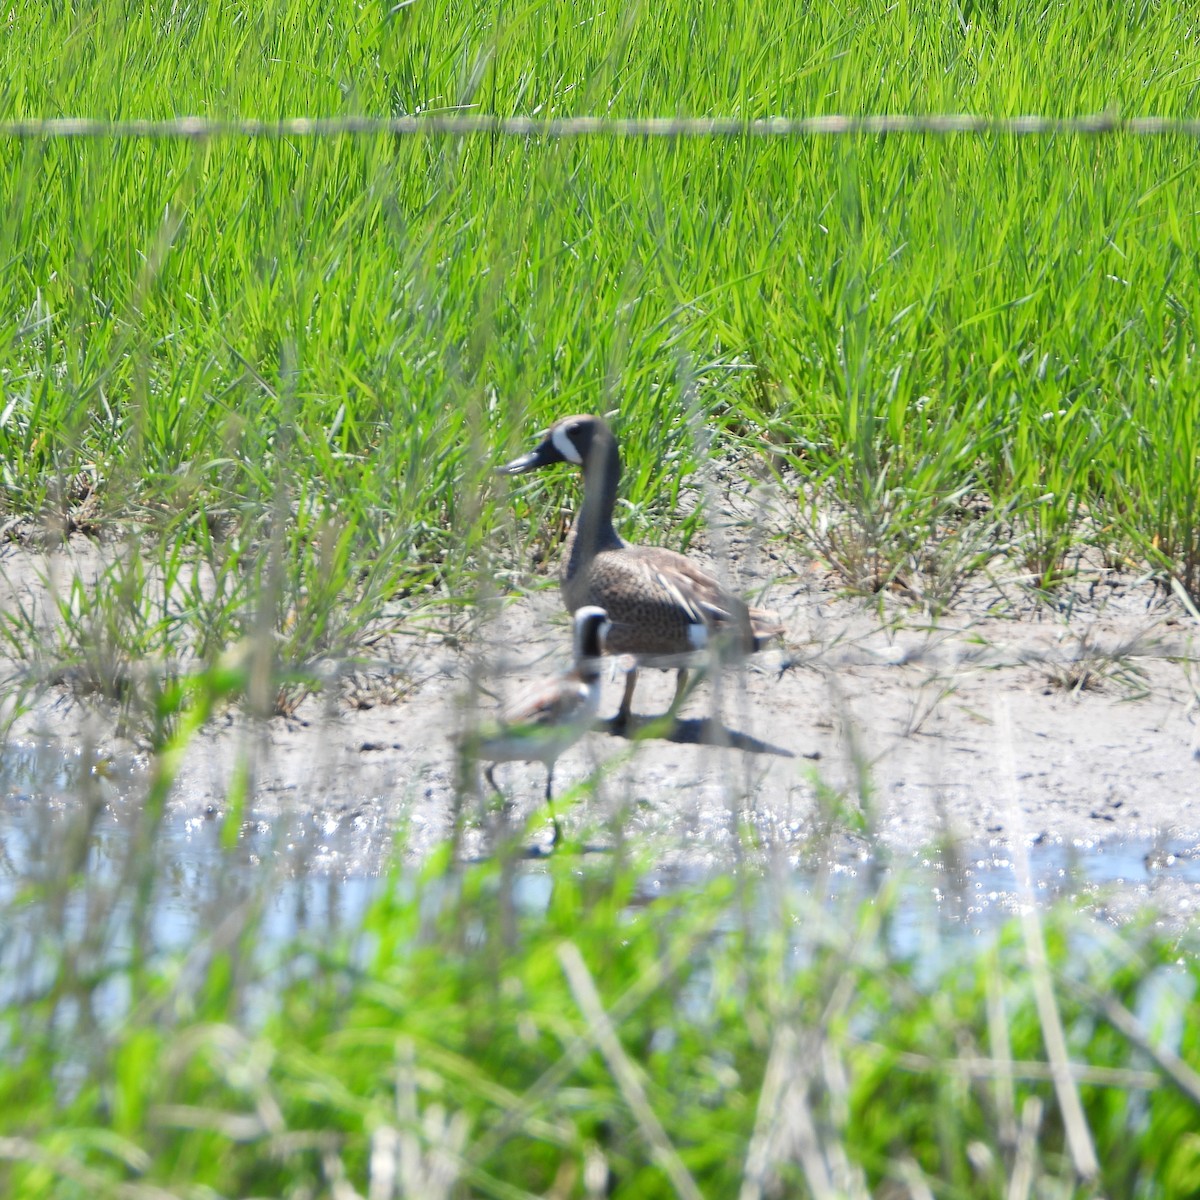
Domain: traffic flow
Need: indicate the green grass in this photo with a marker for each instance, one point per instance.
(328, 342)
(763, 1038)
(275, 375)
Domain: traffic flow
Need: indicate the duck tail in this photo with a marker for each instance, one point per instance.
(765, 626)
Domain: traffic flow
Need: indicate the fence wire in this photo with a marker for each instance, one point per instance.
(466, 125)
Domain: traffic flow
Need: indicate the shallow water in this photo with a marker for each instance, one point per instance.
(310, 875)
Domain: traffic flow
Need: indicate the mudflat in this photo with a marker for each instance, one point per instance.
(1010, 716)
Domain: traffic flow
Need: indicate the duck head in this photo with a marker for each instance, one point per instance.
(579, 440)
(591, 628)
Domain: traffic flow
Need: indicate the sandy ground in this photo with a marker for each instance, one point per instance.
(1006, 719)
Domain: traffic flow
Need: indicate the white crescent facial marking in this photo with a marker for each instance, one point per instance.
(566, 447)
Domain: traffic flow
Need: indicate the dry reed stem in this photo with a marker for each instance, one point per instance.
(1079, 1138)
(627, 1076)
(1183, 1076)
(200, 128)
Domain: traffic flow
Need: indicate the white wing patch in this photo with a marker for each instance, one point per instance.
(677, 597)
(716, 611)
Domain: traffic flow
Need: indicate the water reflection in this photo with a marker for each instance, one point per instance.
(140, 884)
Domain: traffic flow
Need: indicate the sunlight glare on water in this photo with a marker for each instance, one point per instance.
(311, 872)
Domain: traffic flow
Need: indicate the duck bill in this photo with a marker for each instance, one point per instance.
(542, 456)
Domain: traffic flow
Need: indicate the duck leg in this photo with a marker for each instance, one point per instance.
(622, 717)
(680, 691)
(505, 802)
(487, 774)
(550, 805)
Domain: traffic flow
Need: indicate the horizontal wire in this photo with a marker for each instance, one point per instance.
(464, 125)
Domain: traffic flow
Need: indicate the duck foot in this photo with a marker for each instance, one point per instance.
(620, 723)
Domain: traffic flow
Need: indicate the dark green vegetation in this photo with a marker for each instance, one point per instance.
(283, 370)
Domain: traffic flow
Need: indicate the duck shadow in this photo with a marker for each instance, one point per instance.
(689, 731)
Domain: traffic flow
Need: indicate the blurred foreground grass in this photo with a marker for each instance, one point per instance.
(506, 1031)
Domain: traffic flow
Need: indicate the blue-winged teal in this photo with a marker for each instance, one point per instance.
(662, 606)
(553, 715)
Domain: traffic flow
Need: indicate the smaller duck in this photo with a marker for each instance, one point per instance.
(551, 716)
(664, 608)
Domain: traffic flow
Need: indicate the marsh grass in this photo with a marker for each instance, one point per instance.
(345, 332)
(271, 379)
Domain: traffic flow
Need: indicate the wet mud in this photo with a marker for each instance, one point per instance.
(875, 730)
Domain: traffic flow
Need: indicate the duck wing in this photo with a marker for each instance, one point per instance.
(756, 625)
(662, 603)
(560, 701)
